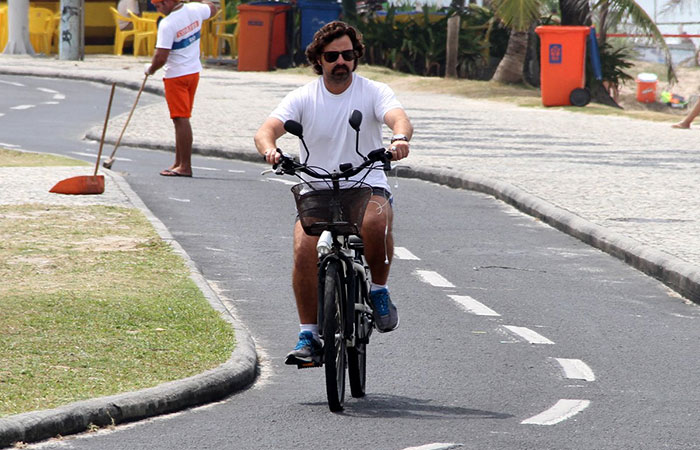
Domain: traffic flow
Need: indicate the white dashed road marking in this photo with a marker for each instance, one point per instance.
(435, 446)
(59, 97)
(562, 410)
(527, 334)
(50, 91)
(576, 369)
(183, 200)
(404, 253)
(11, 83)
(433, 278)
(22, 106)
(473, 306)
(205, 168)
(280, 180)
(236, 171)
(3, 144)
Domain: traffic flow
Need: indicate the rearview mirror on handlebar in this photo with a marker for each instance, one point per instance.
(355, 120)
(294, 127)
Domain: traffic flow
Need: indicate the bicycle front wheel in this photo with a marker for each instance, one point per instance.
(357, 355)
(334, 338)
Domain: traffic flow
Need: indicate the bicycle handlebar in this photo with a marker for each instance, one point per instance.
(290, 166)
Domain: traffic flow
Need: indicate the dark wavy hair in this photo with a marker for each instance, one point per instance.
(327, 34)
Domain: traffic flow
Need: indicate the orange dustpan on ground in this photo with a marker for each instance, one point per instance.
(87, 184)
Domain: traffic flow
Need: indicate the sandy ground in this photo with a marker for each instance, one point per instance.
(688, 86)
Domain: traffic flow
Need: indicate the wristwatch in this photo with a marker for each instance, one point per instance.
(399, 137)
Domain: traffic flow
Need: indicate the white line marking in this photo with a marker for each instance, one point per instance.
(528, 335)
(59, 97)
(50, 103)
(214, 249)
(280, 180)
(473, 306)
(94, 154)
(404, 253)
(12, 83)
(576, 369)
(435, 446)
(562, 410)
(22, 106)
(183, 200)
(2, 114)
(50, 91)
(4, 144)
(205, 168)
(433, 278)
(236, 171)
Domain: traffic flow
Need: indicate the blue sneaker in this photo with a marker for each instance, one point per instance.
(386, 316)
(308, 350)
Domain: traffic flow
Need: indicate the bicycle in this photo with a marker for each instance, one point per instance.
(335, 214)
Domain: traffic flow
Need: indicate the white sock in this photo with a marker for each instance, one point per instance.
(312, 327)
(375, 287)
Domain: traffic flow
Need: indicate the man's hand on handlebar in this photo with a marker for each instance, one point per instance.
(273, 155)
(399, 150)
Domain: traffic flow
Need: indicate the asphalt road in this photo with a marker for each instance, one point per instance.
(513, 335)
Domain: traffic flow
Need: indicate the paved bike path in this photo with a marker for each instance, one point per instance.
(625, 186)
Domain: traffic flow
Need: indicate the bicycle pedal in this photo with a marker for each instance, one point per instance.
(309, 365)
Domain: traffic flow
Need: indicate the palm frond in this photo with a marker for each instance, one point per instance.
(517, 14)
(644, 24)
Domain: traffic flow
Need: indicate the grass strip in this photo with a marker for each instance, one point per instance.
(15, 158)
(94, 303)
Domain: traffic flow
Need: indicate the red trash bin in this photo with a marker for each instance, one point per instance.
(562, 64)
(263, 35)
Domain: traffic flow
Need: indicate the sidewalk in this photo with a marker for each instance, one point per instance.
(623, 185)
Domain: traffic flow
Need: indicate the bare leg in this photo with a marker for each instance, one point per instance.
(378, 238)
(183, 145)
(688, 119)
(305, 275)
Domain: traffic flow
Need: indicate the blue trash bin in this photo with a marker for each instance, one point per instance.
(314, 15)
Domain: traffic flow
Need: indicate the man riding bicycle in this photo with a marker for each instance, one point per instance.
(320, 106)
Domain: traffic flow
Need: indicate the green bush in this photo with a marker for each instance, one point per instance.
(417, 45)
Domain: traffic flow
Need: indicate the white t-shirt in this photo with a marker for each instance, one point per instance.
(327, 133)
(179, 31)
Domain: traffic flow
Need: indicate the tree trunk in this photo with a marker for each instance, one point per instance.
(452, 46)
(510, 69)
(575, 12)
(18, 28)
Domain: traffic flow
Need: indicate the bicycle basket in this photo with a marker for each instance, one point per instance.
(319, 208)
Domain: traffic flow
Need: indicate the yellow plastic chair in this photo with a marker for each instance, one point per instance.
(120, 36)
(146, 34)
(220, 33)
(3, 27)
(55, 31)
(41, 29)
(207, 40)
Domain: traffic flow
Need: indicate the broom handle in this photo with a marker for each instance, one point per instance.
(129, 118)
(104, 129)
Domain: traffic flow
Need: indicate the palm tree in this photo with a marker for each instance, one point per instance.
(18, 27)
(519, 16)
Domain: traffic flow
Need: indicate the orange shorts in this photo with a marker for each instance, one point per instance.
(179, 93)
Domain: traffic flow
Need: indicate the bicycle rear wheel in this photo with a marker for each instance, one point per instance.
(334, 338)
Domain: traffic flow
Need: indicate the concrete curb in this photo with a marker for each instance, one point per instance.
(233, 375)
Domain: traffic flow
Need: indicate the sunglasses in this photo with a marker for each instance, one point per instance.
(348, 55)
